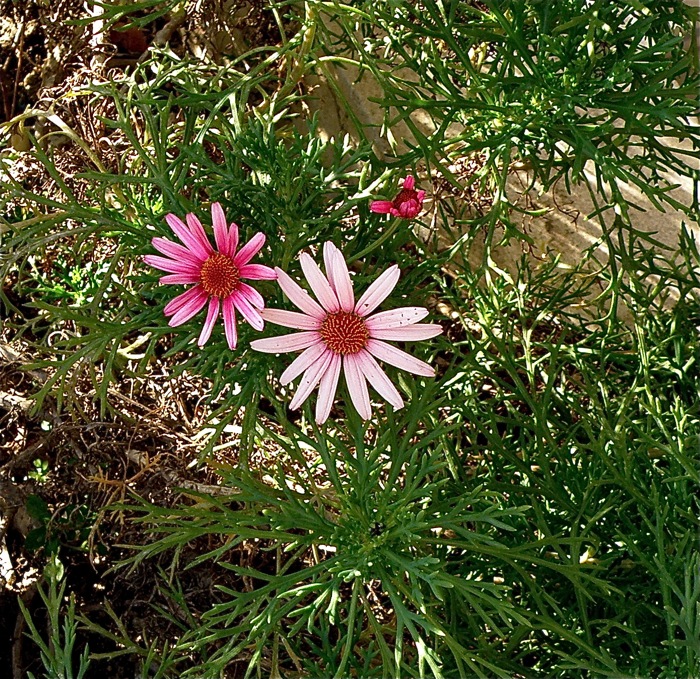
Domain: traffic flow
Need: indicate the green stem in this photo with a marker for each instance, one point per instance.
(247, 427)
(384, 237)
(351, 629)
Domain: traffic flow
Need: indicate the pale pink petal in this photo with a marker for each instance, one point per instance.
(257, 272)
(381, 206)
(310, 379)
(329, 251)
(409, 183)
(170, 265)
(183, 233)
(218, 220)
(327, 388)
(197, 230)
(411, 333)
(212, 315)
(396, 318)
(175, 304)
(190, 309)
(378, 379)
(342, 283)
(175, 250)
(357, 386)
(248, 312)
(179, 279)
(378, 291)
(291, 319)
(249, 250)
(232, 239)
(294, 341)
(252, 295)
(302, 362)
(398, 358)
(319, 283)
(228, 311)
(298, 295)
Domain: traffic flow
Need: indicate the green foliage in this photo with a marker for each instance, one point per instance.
(57, 653)
(533, 511)
(375, 523)
(271, 178)
(74, 284)
(548, 85)
(539, 516)
(570, 419)
(40, 473)
(134, 12)
(68, 527)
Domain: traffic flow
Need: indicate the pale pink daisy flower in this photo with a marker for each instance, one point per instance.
(407, 204)
(217, 274)
(339, 334)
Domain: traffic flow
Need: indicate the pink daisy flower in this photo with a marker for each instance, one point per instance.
(340, 334)
(217, 274)
(407, 204)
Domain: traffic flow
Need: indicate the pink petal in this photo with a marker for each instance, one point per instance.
(398, 358)
(176, 251)
(329, 251)
(218, 220)
(298, 295)
(327, 388)
(409, 183)
(212, 315)
(249, 250)
(381, 206)
(170, 265)
(251, 314)
(183, 233)
(294, 341)
(341, 282)
(257, 272)
(378, 291)
(357, 386)
(378, 379)
(190, 309)
(228, 311)
(179, 279)
(319, 283)
(409, 209)
(197, 230)
(232, 239)
(396, 318)
(252, 295)
(290, 319)
(310, 379)
(302, 363)
(412, 333)
(175, 304)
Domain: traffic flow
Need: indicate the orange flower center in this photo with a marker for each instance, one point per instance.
(219, 275)
(344, 333)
